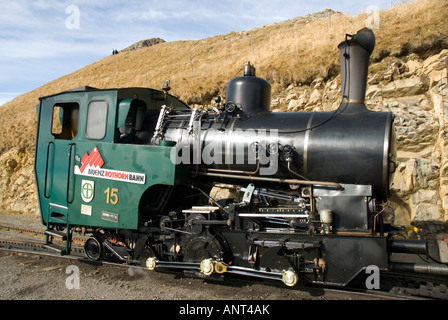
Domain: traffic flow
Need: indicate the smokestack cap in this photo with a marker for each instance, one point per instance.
(364, 37)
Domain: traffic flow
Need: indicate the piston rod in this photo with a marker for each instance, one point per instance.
(441, 270)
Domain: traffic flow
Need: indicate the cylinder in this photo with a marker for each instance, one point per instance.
(407, 246)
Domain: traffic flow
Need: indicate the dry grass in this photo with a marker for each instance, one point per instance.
(288, 52)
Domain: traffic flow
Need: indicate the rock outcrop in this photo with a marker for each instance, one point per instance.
(17, 187)
(143, 44)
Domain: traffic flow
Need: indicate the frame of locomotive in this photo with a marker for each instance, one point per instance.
(104, 165)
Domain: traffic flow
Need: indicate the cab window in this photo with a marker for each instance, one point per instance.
(96, 120)
(64, 124)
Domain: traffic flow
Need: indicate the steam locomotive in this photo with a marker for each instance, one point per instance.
(233, 189)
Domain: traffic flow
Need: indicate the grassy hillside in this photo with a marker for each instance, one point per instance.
(293, 51)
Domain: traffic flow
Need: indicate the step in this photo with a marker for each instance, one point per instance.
(54, 247)
(57, 234)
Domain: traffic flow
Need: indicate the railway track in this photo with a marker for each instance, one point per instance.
(394, 286)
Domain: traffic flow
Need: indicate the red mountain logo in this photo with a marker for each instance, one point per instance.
(91, 166)
(92, 160)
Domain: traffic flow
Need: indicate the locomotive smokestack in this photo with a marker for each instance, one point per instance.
(355, 54)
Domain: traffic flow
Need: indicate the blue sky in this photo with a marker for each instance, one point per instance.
(42, 40)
